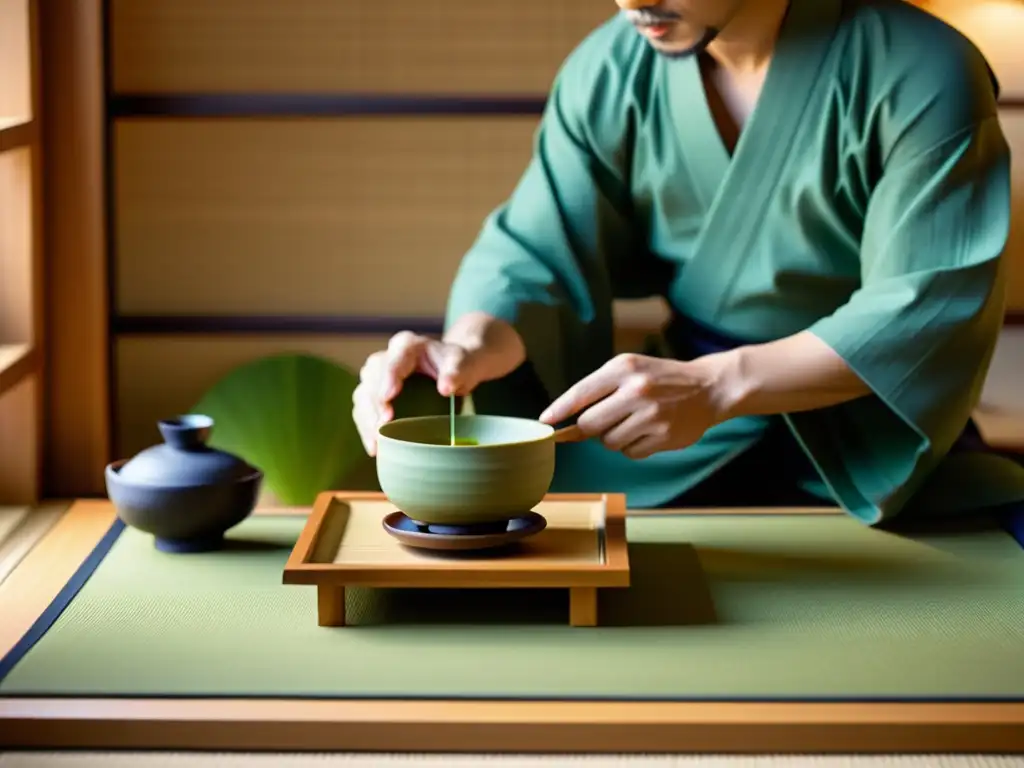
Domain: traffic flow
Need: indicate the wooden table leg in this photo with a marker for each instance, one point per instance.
(583, 606)
(330, 605)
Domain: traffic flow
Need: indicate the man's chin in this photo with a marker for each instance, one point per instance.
(675, 51)
(683, 49)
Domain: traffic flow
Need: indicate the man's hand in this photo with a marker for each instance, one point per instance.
(383, 374)
(642, 405)
(477, 348)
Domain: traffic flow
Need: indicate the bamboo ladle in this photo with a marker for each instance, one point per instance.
(570, 434)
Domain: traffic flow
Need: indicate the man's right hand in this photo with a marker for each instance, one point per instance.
(477, 348)
(456, 370)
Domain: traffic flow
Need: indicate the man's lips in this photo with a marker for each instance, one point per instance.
(656, 30)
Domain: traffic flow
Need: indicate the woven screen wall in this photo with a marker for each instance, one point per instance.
(400, 46)
(357, 216)
(294, 215)
(353, 215)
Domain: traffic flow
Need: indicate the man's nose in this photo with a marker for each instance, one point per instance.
(635, 5)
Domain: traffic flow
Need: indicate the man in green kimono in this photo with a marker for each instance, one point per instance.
(820, 191)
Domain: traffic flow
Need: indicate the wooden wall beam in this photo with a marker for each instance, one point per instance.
(77, 437)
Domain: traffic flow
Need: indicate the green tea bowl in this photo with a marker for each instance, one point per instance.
(504, 471)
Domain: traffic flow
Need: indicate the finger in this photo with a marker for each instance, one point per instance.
(367, 418)
(633, 428)
(599, 418)
(366, 436)
(359, 418)
(400, 361)
(648, 445)
(369, 406)
(367, 394)
(580, 395)
(453, 369)
(372, 369)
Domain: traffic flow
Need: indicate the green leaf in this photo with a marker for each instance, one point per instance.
(290, 415)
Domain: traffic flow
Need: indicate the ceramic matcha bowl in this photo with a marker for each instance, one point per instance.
(502, 467)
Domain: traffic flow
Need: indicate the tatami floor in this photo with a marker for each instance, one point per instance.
(19, 531)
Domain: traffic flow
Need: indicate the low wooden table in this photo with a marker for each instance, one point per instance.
(749, 727)
(344, 544)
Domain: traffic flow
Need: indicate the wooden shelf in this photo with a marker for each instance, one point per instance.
(21, 268)
(16, 133)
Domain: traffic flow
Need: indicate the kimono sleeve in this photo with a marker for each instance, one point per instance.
(552, 258)
(922, 328)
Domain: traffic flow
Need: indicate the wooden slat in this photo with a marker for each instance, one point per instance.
(77, 403)
(306, 105)
(330, 45)
(1002, 429)
(1013, 126)
(19, 443)
(516, 727)
(15, 61)
(16, 133)
(362, 216)
(17, 308)
(1000, 415)
(17, 362)
(37, 266)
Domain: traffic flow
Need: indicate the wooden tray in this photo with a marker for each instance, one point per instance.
(583, 548)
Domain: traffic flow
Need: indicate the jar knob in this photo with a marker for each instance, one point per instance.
(187, 432)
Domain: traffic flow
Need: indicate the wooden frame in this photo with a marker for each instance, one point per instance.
(21, 281)
(457, 726)
(77, 428)
(581, 579)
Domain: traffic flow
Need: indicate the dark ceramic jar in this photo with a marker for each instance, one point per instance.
(184, 492)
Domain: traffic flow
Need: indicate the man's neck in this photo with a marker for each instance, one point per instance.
(746, 44)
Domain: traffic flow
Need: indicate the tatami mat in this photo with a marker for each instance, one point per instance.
(196, 760)
(16, 537)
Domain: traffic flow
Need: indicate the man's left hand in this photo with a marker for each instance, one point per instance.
(642, 405)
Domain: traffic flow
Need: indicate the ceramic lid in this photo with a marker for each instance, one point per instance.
(184, 458)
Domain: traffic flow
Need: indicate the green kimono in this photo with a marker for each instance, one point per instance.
(867, 201)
